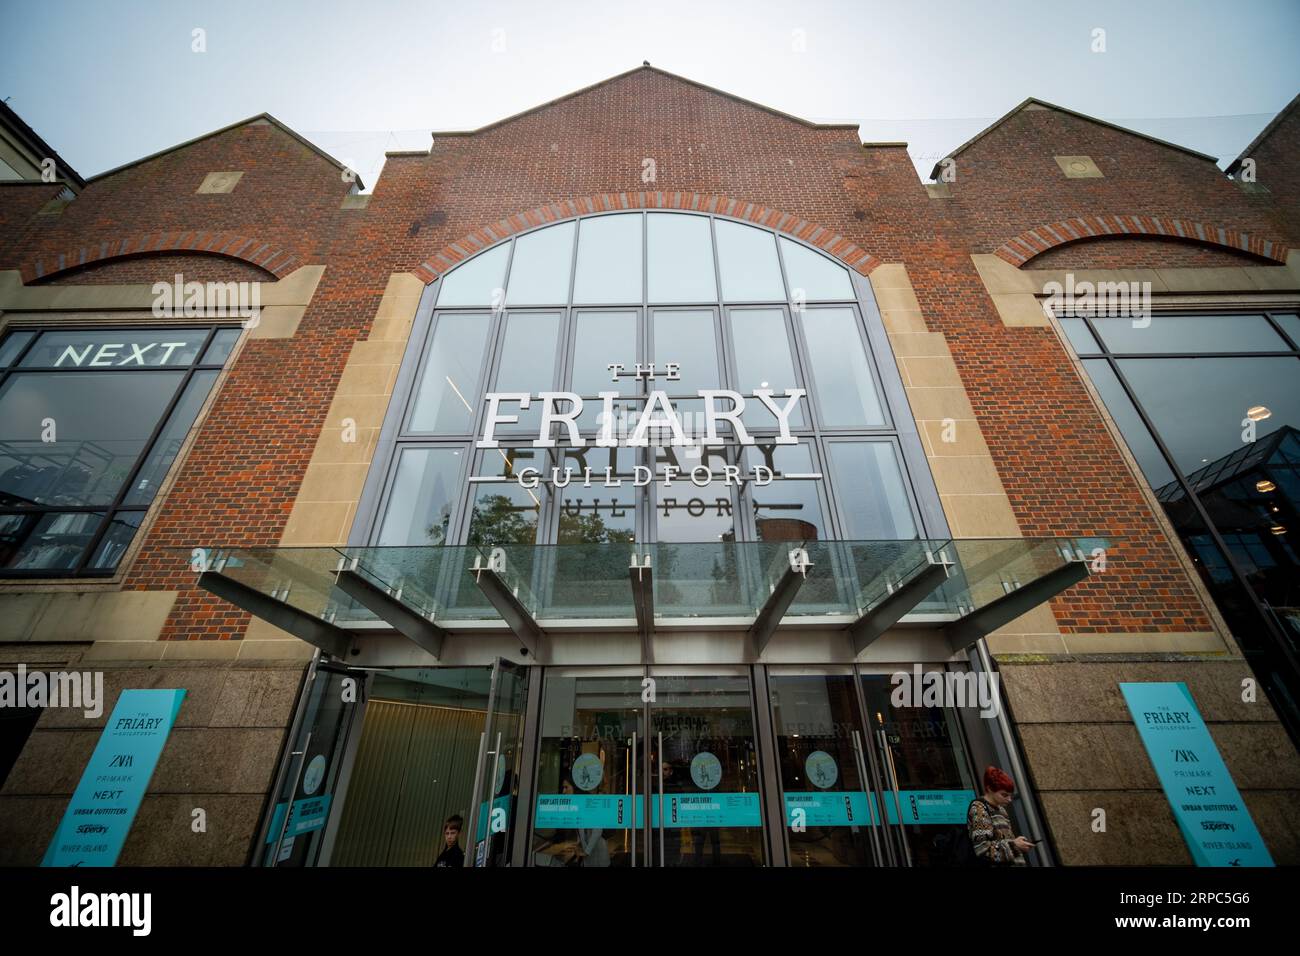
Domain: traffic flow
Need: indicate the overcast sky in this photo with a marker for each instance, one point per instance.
(108, 81)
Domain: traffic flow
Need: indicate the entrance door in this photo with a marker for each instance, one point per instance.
(496, 779)
(647, 770)
(829, 790)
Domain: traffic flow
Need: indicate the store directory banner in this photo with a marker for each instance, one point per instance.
(1206, 803)
(104, 805)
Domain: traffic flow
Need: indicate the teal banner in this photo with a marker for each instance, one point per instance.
(845, 808)
(620, 811)
(104, 805)
(309, 813)
(707, 810)
(576, 811)
(500, 808)
(929, 807)
(1213, 819)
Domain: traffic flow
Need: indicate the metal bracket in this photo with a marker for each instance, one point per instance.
(901, 598)
(330, 638)
(507, 604)
(966, 631)
(419, 629)
(779, 601)
(641, 577)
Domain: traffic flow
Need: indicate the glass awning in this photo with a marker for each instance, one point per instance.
(332, 596)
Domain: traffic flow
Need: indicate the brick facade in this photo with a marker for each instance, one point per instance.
(1060, 468)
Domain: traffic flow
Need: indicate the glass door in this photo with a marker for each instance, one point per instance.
(830, 802)
(590, 808)
(705, 803)
(927, 778)
(647, 770)
(496, 779)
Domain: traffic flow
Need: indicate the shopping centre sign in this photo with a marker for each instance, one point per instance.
(659, 423)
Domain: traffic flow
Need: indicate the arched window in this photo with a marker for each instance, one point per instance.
(586, 307)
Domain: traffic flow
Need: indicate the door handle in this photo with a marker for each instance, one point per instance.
(888, 757)
(632, 802)
(860, 757)
(662, 820)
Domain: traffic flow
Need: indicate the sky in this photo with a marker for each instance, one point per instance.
(105, 82)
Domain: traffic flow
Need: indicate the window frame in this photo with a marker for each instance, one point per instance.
(900, 427)
(109, 512)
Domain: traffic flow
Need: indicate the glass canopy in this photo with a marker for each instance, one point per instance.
(575, 587)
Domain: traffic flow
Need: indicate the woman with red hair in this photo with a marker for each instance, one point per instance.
(989, 824)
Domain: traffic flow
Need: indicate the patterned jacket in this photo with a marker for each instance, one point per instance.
(991, 834)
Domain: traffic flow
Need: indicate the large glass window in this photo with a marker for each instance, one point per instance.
(1216, 432)
(91, 422)
(637, 303)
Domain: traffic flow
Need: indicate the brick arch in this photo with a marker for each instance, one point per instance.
(837, 246)
(261, 254)
(1040, 239)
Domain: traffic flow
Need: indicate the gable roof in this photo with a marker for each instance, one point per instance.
(1043, 104)
(15, 124)
(645, 67)
(260, 119)
(1265, 133)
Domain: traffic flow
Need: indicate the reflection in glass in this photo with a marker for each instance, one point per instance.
(841, 373)
(12, 345)
(816, 718)
(1139, 440)
(686, 338)
(812, 276)
(118, 537)
(747, 263)
(168, 445)
(1291, 326)
(763, 360)
(1190, 333)
(602, 339)
(708, 751)
(609, 260)
(477, 281)
(450, 386)
(223, 343)
(1076, 330)
(539, 271)
(680, 258)
(103, 420)
(927, 755)
(1199, 406)
(527, 364)
(55, 541)
(587, 813)
(788, 509)
(504, 512)
(869, 486)
(424, 493)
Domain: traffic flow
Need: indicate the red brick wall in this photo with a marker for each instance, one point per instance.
(1061, 470)
(1145, 253)
(150, 269)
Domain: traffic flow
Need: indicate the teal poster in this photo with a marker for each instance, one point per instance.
(927, 807)
(1214, 821)
(831, 808)
(103, 807)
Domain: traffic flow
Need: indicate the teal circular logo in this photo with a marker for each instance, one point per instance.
(587, 772)
(821, 769)
(313, 775)
(706, 770)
